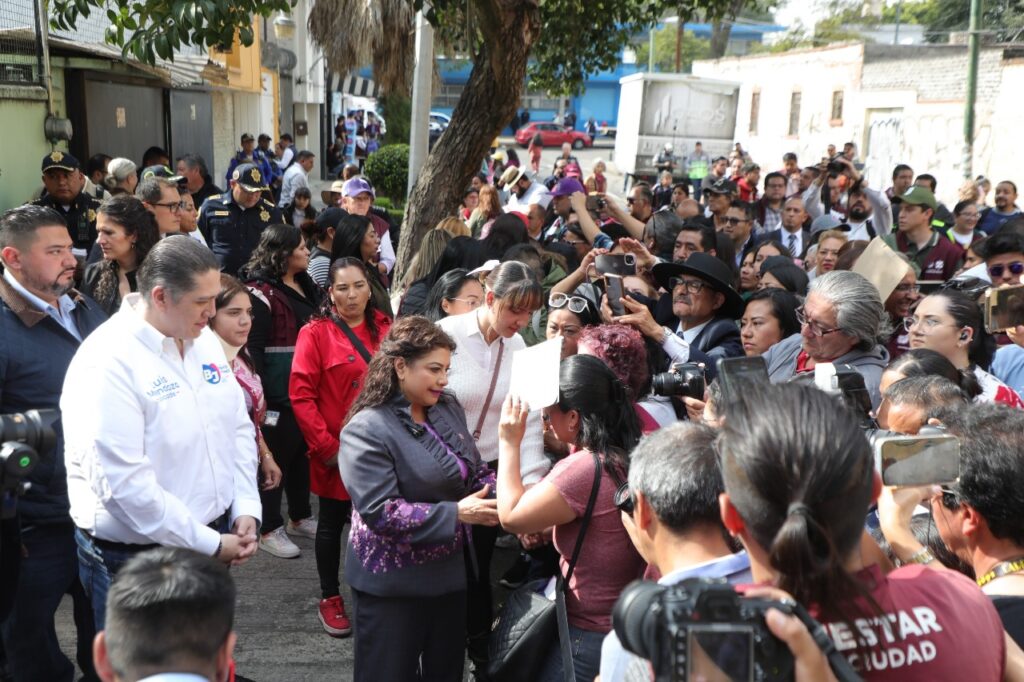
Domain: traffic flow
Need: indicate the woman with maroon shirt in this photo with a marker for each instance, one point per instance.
(799, 477)
(327, 375)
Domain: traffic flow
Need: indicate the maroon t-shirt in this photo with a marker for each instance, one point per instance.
(608, 561)
(935, 625)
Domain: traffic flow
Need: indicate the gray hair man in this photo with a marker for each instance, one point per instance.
(158, 442)
(170, 614)
(909, 403)
(670, 509)
(193, 168)
(843, 322)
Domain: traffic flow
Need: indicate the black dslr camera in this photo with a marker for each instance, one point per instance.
(702, 628)
(22, 437)
(684, 379)
(835, 165)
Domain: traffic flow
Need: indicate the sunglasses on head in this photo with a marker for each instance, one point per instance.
(576, 304)
(1016, 268)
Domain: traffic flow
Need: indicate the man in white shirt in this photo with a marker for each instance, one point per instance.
(159, 447)
(170, 614)
(523, 191)
(295, 177)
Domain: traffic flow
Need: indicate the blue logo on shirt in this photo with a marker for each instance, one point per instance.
(211, 374)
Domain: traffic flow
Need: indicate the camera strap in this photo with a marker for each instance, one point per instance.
(568, 672)
(353, 339)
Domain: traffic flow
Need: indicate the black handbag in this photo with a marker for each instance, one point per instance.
(529, 622)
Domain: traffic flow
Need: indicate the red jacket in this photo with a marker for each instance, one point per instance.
(327, 376)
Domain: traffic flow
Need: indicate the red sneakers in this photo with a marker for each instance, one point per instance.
(333, 618)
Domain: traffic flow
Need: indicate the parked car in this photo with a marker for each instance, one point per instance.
(552, 135)
(607, 131)
(439, 122)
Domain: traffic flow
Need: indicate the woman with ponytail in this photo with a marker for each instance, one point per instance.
(799, 477)
(594, 416)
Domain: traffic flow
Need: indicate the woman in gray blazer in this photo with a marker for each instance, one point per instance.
(417, 483)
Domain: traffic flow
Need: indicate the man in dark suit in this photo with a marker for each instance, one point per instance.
(696, 320)
(793, 233)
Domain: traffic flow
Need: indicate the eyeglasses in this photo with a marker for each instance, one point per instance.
(471, 302)
(735, 221)
(577, 304)
(927, 323)
(950, 498)
(173, 206)
(908, 288)
(624, 499)
(1016, 268)
(815, 328)
(693, 286)
(630, 200)
(572, 242)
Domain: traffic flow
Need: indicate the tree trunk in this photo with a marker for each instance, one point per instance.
(489, 100)
(721, 29)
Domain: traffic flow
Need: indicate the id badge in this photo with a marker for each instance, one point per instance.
(271, 418)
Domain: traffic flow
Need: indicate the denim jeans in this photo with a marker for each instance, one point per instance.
(49, 570)
(97, 568)
(586, 656)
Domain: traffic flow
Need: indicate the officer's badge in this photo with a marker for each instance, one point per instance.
(237, 174)
(255, 173)
(265, 215)
(56, 157)
(91, 216)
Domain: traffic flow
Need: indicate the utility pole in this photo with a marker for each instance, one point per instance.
(419, 136)
(650, 51)
(972, 87)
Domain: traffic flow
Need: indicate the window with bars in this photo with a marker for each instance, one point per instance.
(794, 113)
(837, 106)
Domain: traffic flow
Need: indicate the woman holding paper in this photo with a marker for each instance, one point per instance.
(480, 376)
(593, 413)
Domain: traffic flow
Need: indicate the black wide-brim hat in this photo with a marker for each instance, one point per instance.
(711, 270)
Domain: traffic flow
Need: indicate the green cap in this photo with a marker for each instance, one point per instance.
(921, 196)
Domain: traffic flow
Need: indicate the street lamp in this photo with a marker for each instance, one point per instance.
(284, 26)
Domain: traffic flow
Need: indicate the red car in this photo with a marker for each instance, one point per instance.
(552, 135)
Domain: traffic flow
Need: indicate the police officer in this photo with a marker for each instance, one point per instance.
(63, 180)
(233, 222)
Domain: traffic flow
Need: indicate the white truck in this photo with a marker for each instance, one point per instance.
(660, 108)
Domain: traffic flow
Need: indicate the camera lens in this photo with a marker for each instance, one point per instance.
(34, 428)
(666, 383)
(635, 618)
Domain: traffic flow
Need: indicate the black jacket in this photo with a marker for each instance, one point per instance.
(35, 352)
(781, 236)
(719, 339)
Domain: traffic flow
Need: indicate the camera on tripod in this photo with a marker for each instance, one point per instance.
(23, 436)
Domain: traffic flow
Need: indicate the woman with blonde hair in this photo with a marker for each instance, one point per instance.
(454, 225)
(596, 181)
(486, 211)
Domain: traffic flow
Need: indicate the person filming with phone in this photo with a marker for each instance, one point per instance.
(695, 321)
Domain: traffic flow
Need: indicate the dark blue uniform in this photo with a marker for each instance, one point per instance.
(80, 218)
(233, 232)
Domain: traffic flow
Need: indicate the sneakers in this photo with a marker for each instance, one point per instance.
(277, 543)
(332, 617)
(306, 528)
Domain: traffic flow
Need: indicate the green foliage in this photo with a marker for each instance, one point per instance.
(388, 171)
(147, 29)
(397, 110)
(693, 48)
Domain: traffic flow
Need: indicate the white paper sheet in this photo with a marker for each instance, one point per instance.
(535, 373)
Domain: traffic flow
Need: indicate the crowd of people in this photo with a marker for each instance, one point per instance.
(213, 353)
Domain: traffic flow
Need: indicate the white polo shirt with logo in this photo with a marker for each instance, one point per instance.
(157, 444)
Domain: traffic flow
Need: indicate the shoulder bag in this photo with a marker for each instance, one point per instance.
(528, 621)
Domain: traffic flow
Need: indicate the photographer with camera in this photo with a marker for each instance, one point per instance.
(43, 320)
(670, 510)
(799, 478)
(842, 321)
(696, 321)
(868, 212)
(978, 517)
